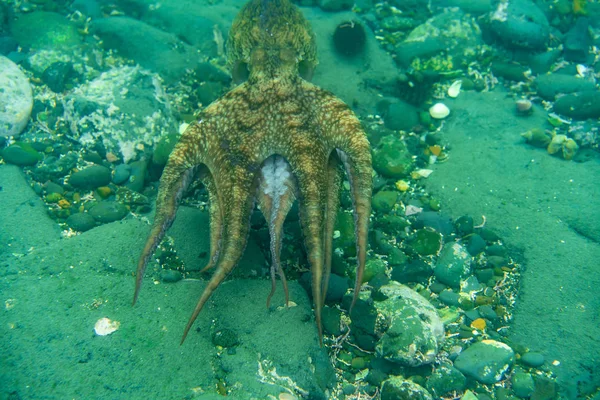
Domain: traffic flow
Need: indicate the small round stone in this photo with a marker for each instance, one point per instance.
(533, 359)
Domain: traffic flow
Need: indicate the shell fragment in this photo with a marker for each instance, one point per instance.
(105, 326)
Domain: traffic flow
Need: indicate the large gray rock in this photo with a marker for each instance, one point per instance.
(16, 100)
(413, 330)
(150, 47)
(454, 32)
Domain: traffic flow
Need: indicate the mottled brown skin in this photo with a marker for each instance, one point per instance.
(274, 115)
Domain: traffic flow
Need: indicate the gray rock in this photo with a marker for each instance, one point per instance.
(336, 5)
(413, 330)
(81, 222)
(453, 265)
(486, 361)
(446, 379)
(578, 41)
(533, 359)
(16, 101)
(580, 106)
(397, 388)
(452, 32)
(401, 116)
(523, 385)
(550, 85)
(138, 175)
(108, 211)
(90, 177)
(150, 47)
(121, 173)
(125, 109)
(520, 24)
(20, 154)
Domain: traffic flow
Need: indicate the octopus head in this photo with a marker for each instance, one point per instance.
(271, 39)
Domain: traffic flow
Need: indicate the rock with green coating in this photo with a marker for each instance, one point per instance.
(426, 242)
(373, 267)
(81, 222)
(391, 158)
(163, 148)
(45, 30)
(384, 200)
(91, 177)
(413, 332)
(523, 385)
(108, 211)
(446, 379)
(21, 154)
(397, 388)
(453, 265)
(401, 116)
(486, 361)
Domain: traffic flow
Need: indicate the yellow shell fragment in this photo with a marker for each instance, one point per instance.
(105, 326)
(402, 185)
(421, 173)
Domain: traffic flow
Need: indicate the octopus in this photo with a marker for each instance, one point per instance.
(274, 139)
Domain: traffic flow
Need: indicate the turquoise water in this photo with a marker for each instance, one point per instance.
(498, 237)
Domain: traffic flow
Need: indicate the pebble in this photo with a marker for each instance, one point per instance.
(16, 101)
(121, 174)
(81, 222)
(533, 359)
(391, 158)
(91, 177)
(20, 154)
(476, 244)
(396, 387)
(523, 385)
(486, 361)
(580, 105)
(453, 265)
(384, 200)
(108, 211)
(446, 379)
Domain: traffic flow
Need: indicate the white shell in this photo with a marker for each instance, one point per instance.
(105, 326)
(454, 89)
(439, 111)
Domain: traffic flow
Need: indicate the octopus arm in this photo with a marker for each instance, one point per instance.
(177, 176)
(236, 201)
(344, 134)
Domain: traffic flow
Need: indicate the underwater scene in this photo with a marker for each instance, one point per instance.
(313, 199)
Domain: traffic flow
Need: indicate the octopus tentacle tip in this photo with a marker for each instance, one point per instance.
(275, 138)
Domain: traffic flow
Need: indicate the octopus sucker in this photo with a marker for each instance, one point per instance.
(273, 140)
